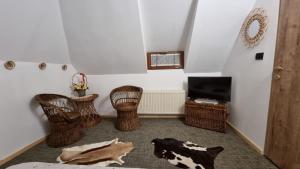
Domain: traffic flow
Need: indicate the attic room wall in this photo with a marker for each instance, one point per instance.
(104, 37)
(166, 23)
(162, 26)
(101, 41)
(22, 120)
(31, 32)
(153, 80)
(215, 28)
(252, 79)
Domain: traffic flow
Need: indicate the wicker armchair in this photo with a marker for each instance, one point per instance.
(63, 117)
(125, 100)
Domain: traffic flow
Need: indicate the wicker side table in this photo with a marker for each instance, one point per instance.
(207, 116)
(86, 107)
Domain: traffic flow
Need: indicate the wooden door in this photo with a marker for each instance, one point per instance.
(283, 132)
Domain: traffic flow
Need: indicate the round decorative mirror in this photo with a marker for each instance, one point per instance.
(254, 27)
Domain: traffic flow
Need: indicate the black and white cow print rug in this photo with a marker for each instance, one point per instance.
(186, 154)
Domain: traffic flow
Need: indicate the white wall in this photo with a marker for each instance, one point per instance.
(112, 36)
(104, 37)
(215, 28)
(22, 121)
(32, 31)
(153, 80)
(252, 79)
(166, 24)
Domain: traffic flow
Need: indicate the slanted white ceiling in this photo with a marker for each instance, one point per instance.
(104, 36)
(32, 31)
(113, 36)
(166, 23)
(216, 26)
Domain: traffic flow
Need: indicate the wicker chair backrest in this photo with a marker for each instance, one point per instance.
(55, 106)
(126, 94)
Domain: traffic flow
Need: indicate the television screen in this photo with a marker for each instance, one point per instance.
(217, 88)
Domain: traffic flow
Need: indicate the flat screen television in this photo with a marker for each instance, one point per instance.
(217, 88)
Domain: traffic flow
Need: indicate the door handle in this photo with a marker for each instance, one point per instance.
(278, 68)
(277, 77)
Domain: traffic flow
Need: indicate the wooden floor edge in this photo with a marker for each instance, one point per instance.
(246, 139)
(21, 151)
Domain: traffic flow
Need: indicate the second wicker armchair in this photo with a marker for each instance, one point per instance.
(125, 100)
(63, 117)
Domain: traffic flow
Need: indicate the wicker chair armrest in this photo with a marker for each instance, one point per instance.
(113, 103)
(112, 100)
(140, 95)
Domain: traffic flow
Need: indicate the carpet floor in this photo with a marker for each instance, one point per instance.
(237, 155)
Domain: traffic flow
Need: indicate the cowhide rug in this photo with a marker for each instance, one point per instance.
(186, 154)
(99, 154)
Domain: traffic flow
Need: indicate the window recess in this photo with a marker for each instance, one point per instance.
(165, 60)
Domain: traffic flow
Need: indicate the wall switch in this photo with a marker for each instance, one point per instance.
(259, 56)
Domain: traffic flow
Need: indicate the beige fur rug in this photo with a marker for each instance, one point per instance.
(98, 154)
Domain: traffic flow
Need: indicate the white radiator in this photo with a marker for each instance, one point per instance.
(162, 102)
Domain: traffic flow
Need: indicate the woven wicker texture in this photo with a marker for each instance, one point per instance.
(207, 116)
(89, 115)
(125, 100)
(63, 117)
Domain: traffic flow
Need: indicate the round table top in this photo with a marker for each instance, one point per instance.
(89, 97)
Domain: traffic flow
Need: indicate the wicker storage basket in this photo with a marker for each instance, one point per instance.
(207, 116)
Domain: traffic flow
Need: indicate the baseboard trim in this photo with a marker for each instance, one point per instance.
(164, 116)
(21, 151)
(152, 116)
(246, 139)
